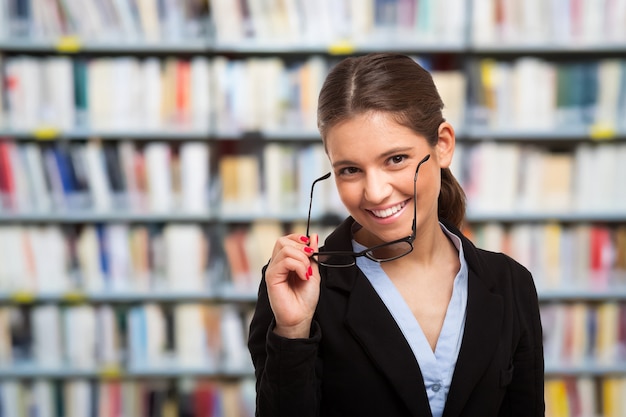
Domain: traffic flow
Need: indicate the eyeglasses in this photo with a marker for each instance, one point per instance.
(384, 252)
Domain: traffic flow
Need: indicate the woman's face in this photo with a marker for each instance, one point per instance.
(374, 161)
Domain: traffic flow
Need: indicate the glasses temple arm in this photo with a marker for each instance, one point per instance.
(308, 219)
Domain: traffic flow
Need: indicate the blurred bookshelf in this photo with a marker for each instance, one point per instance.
(152, 150)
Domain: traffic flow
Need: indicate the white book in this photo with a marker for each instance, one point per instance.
(605, 168)
(279, 178)
(483, 24)
(124, 12)
(4, 24)
(99, 186)
(158, 171)
(451, 86)
(532, 106)
(228, 20)
(534, 22)
(259, 20)
(318, 26)
(92, 25)
(117, 240)
(189, 335)
(220, 93)
(25, 94)
(608, 75)
(124, 94)
(584, 181)
(34, 166)
(108, 353)
(99, 91)
(259, 245)
(619, 191)
(194, 176)
(151, 94)
(59, 86)
(16, 264)
(588, 401)
(88, 253)
(532, 172)
(149, 19)
(47, 335)
(80, 351)
(361, 19)
(127, 151)
(2, 92)
(295, 21)
(560, 24)
(77, 397)
(615, 29)
(200, 93)
(593, 21)
(23, 197)
(235, 354)
(6, 349)
(154, 333)
(11, 393)
(269, 97)
(186, 254)
(43, 398)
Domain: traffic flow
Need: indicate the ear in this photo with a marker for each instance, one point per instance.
(445, 145)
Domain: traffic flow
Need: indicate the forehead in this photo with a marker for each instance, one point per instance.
(369, 135)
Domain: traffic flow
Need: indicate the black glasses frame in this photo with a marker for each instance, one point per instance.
(367, 252)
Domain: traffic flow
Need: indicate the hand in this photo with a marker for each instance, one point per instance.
(293, 284)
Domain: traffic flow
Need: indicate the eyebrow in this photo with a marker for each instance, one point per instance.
(384, 155)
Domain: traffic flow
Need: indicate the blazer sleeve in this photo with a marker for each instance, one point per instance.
(525, 394)
(286, 381)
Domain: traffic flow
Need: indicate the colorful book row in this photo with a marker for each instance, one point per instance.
(131, 339)
(80, 398)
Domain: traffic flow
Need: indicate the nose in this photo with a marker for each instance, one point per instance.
(377, 188)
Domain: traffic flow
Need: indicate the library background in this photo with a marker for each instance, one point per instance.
(150, 153)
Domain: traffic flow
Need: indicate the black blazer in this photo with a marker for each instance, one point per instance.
(357, 362)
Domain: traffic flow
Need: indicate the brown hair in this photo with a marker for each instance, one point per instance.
(399, 86)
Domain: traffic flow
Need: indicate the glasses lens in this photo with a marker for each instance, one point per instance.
(390, 252)
(335, 260)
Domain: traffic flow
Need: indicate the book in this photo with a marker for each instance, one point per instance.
(194, 176)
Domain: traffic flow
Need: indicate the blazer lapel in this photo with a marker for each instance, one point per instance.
(372, 325)
(483, 323)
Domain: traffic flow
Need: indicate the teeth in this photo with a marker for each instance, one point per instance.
(388, 212)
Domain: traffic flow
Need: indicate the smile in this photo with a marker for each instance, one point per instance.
(388, 211)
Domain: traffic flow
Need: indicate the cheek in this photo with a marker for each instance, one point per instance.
(349, 194)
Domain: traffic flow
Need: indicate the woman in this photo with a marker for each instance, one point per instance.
(398, 313)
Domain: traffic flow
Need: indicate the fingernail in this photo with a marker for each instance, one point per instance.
(308, 250)
(304, 239)
(309, 272)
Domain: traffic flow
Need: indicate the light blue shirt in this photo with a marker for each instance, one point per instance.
(437, 367)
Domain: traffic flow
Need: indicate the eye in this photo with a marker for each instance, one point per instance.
(397, 159)
(347, 171)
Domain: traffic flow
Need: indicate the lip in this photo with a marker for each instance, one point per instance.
(391, 218)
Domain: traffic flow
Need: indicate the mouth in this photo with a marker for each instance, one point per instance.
(388, 212)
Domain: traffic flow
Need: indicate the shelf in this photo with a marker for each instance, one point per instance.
(50, 133)
(563, 217)
(32, 370)
(171, 296)
(559, 133)
(72, 44)
(546, 47)
(392, 44)
(581, 294)
(589, 369)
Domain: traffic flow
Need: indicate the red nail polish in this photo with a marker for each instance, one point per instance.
(308, 250)
(309, 272)
(304, 239)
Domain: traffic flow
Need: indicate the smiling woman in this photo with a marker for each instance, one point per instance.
(397, 313)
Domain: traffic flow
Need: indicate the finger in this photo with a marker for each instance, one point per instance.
(315, 247)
